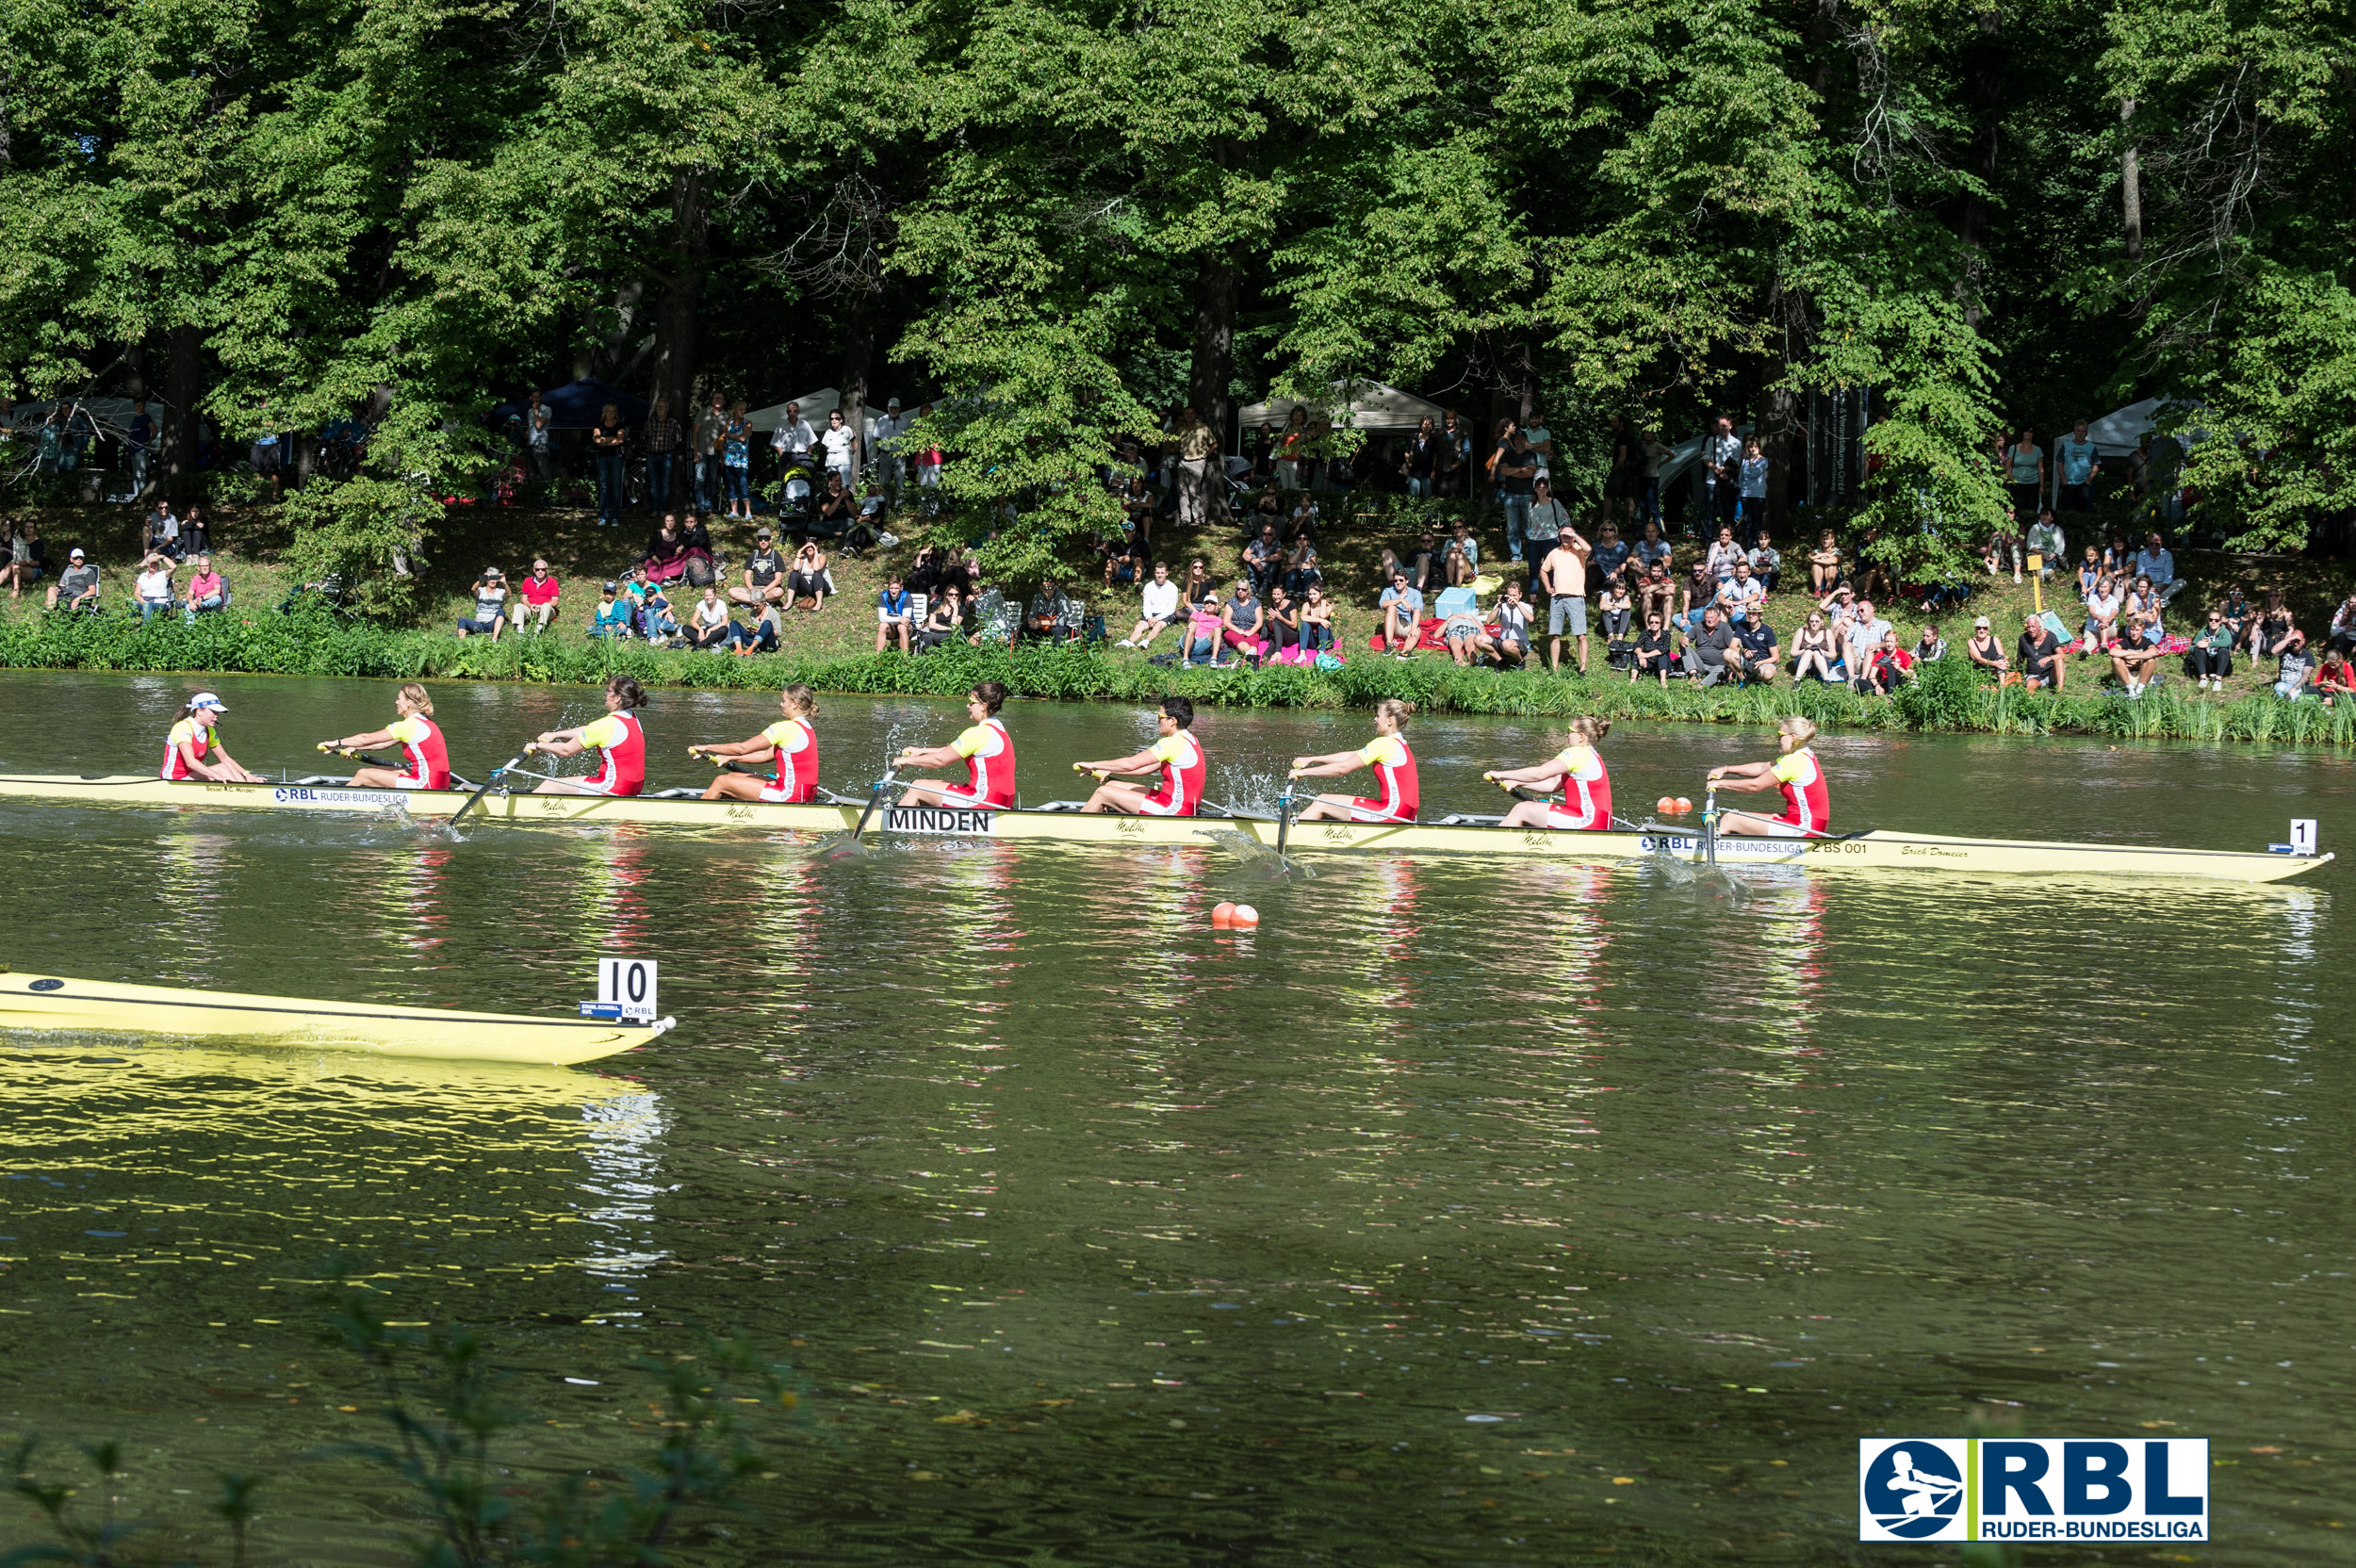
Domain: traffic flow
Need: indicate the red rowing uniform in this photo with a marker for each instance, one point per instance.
(1183, 771)
(1395, 765)
(424, 756)
(989, 752)
(1807, 805)
(175, 758)
(622, 771)
(1586, 790)
(796, 760)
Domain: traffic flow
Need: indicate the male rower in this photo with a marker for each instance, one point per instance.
(793, 745)
(1180, 758)
(193, 741)
(622, 768)
(424, 754)
(1392, 764)
(985, 748)
(1586, 802)
(1807, 806)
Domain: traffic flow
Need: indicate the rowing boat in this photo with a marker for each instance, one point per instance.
(1062, 822)
(54, 1002)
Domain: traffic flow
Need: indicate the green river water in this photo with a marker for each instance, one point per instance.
(1463, 1214)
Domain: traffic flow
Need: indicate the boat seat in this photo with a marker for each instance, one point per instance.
(676, 795)
(1462, 819)
(1060, 805)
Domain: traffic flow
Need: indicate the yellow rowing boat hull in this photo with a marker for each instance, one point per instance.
(1880, 850)
(54, 1003)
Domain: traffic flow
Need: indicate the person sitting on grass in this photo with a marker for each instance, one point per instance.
(2210, 659)
(657, 621)
(666, 551)
(1283, 621)
(1316, 621)
(1203, 632)
(2039, 656)
(1510, 646)
(613, 613)
(1421, 565)
(808, 582)
(1985, 651)
(1403, 606)
(207, 593)
(1823, 565)
(895, 615)
(1049, 611)
(2297, 671)
(763, 577)
(2137, 651)
(760, 635)
(1815, 651)
(944, 621)
(1241, 623)
(2333, 679)
(1706, 648)
(836, 509)
(1655, 651)
(1754, 655)
(490, 606)
(1157, 608)
(1930, 647)
(537, 598)
(1460, 559)
(1889, 664)
(2272, 632)
(1263, 558)
(707, 623)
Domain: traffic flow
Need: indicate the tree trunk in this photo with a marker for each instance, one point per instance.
(1214, 368)
(1820, 34)
(683, 279)
(1988, 102)
(183, 386)
(858, 349)
(2131, 188)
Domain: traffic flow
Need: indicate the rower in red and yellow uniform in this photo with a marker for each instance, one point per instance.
(1586, 802)
(1392, 764)
(1807, 805)
(622, 769)
(986, 749)
(424, 754)
(192, 741)
(791, 744)
(1180, 758)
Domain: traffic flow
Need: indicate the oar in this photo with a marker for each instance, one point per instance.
(360, 757)
(484, 788)
(874, 798)
(1284, 818)
(1709, 827)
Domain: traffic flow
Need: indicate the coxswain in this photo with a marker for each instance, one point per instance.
(622, 769)
(791, 744)
(1392, 762)
(1177, 752)
(192, 741)
(424, 754)
(1806, 809)
(985, 748)
(1586, 801)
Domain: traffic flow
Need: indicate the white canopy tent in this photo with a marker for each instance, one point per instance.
(815, 407)
(108, 413)
(2122, 429)
(1360, 405)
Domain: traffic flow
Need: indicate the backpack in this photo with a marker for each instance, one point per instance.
(1329, 661)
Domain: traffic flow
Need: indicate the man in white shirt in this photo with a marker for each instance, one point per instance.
(2045, 539)
(884, 442)
(1722, 473)
(1861, 636)
(1159, 609)
(1741, 594)
(794, 438)
(839, 441)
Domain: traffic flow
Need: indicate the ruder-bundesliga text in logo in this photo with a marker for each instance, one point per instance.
(2063, 1489)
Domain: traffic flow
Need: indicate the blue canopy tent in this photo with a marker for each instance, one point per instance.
(576, 406)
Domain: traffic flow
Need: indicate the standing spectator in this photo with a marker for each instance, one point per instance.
(490, 607)
(2079, 462)
(895, 615)
(1516, 475)
(1654, 457)
(207, 593)
(1653, 653)
(763, 577)
(607, 438)
(2154, 561)
(140, 441)
(708, 624)
(793, 438)
(1706, 648)
(736, 463)
(265, 453)
(153, 586)
(2025, 462)
(1198, 454)
(1563, 576)
(539, 432)
(537, 598)
(1984, 651)
(1721, 473)
(712, 430)
(1402, 608)
(840, 445)
(663, 436)
(2039, 656)
(1547, 518)
(77, 587)
(2211, 657)
(1752, 485)
(2046, 540)
(1415, 463)
(929, 455)
(1814, 649)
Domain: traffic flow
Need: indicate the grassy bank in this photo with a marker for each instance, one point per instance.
(1947, 698)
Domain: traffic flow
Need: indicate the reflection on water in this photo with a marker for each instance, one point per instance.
(1459, 1213)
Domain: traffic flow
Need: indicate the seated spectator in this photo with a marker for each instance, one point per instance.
(762, 634)
(1888, 665)
(944, 621)
(1706, 648)
(657, 623)
(2142, 599)
(2273, 634)
(2343, 626)
(1198, 586)
(77, 587)
(666, 551)
(763, 577)
(490, 606)
(1204, 633)
(1754, 655)
(1050, 611)
(27, 558)
(2089, 571)
(2038, 656)
(1655, 651)
(2154, 561)
(1402, 608)
(1742, 596)
(613, 615)
(1244, 621)
(1120, 550)
(2333, 679)
(1263, 558)
(1460, 558)
(2047, 543)
(2297, 670)
(895, 615)
(1316, 621)
(207, 593)
(1930, 647)
(1816, 651)
(1823, 565)
(2210, 659)
(1656, 595)
(2001, 552)
(1651, 549)
(1985, 651)
(1421, 567)
(702, 562)
(1616, 609)
(809, 581)
(1157, 609)
(1723, 553)
(836, 509)
(1510, 645)
(994, 619)
(153, 588)
(866, 530)
(708, 622)
(537, 598)
(1282, 628)
(2137, 651)
(1766, 561)
(2104, 606)
(1697, 593)
(161, 533)
(1859, 637)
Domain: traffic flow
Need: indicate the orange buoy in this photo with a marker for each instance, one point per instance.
(1666, 805)
(1683, 806)
(1222, 916)
(1246, 917)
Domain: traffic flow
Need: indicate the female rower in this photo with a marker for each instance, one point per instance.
(987, 750)
(1795, 772)
(1180, 757)
(1586, 788)
(1392, 764)
(792, 744)
(622, 771)
(192, 741)
(424, 755)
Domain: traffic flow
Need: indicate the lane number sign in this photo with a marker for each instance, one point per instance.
(627, 986)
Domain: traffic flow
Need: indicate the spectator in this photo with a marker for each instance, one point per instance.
(1461, 633)
(1655, 651)
(708, 622)
(1654, 457)
(265, 455)
(207, 593)
(1743, 596)
(1120, 549)
(2210, 659)
(1263, 558)
(1422, 567)
(1985, 651)
(1823, 565)
(665, 558)
(657, 621)
(1610, 555)
(1197, 455)
(944, 621)
(793, 438)
(2273, 633)
(1541, 442)
(1751, 500)
(809, 581)
(1656, 595)
(2332, 680)
(2154, 561)
(1316, 621)
(1814, 650)
(1458, 559)
(2045, 540)
(1243, 621)
(895, 614)
(2344, 624)
(1698, 590)
(1203, 632)
(537, 598)
(2025, 462)
(195, 534)
(77, 587)
(1616, 609)
(836, 509)
(490, 606)
(1516, 475)
(539, 436)
(1705, 649)
(162, 532)
(2142, 599)
(2138, 650)
(1302, 570)
(663, 436)
(1888, 665)
(1402, 608)
(761, 635)
(1283, 621)
(866, 530)
(1157, 609)
(763, 577)
(1722, 473)
(1651, 548)
(1930, 647)
(736, 456)
(1724, 553)
(1754, 655)
(1563, 576)
(2039, 656)
(1050, 611)
(1766, 561)
(712, 431)
(27, 558)
(1290, 456)
(2002, 553)
(152, 589)
(1415, 461)
(1510, 646)
(2090, 572)
(2295, 670)
(2103, 609)
(1860, 638)
(2079, 462)
(607, 439)
(2116, 556)
(613, 615)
